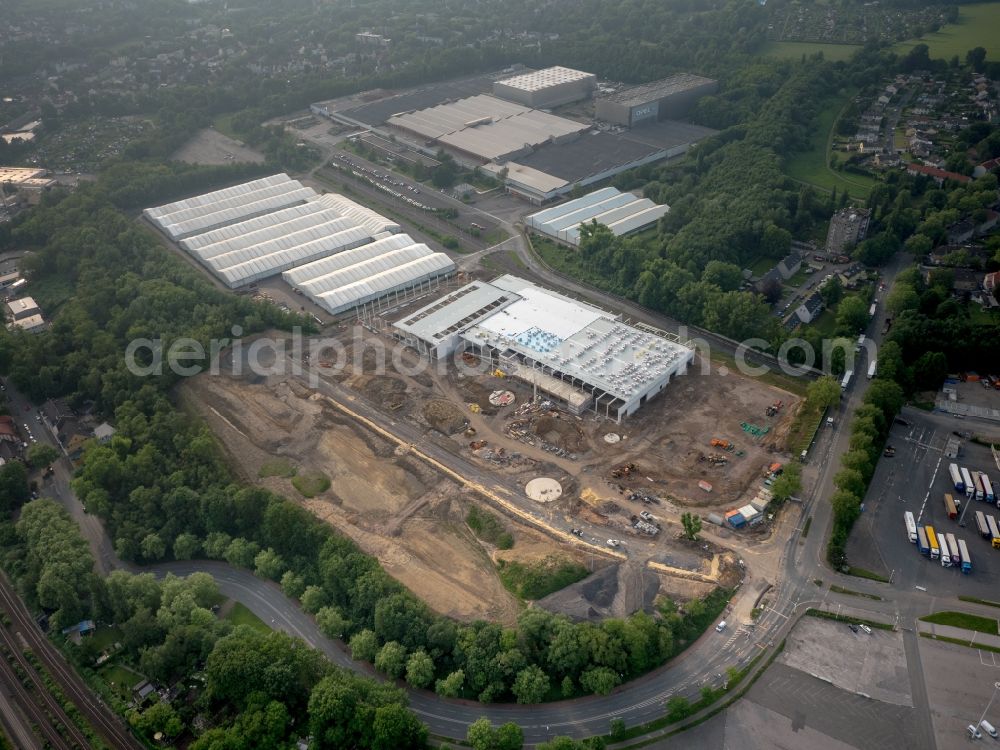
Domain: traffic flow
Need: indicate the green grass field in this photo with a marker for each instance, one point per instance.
(977, 26)
(240, 615)
(121, 679)
(963, 620)
(795, 50)
(812, 166)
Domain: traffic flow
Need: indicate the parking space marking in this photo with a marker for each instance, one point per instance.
(992, 661)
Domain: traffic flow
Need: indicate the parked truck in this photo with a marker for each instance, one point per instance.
(932, 542)
(956, 477)
(922, 541)
(911, 526)
(963, 552)
(977, 479)
(970, 488)
(988, 494)
(871, 368)
(956, 557)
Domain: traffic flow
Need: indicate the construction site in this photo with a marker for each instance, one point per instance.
(395, 454)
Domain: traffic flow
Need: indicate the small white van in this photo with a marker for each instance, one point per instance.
(988, 728)
(974, 733)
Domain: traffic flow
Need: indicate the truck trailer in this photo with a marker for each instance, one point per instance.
(871, 368)
(932, 542)
(922, 541)
(956, 477)
(956, 557)
(988, 494)
(970, 488)
(911, 526)
(963, 552)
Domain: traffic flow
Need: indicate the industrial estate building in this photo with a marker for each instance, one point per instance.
(494, 123)
(547, 88)
(484, 128)
(622, 213)
(576, 353)
(665, 99)
(336, 252)
(26, 315)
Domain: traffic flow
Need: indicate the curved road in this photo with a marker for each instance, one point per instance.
(642, 699)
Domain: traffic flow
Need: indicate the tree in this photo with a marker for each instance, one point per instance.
(313, 599)
(268, 564)
(331, 622)
(391, 659)
(832, 291)
(186, 546)
(395, 727)
(929, 371)
(153, 547)
(531, 685)
(293, 584)
(692, 525)
(824, 392)
(364, 646)
(420, 669)
(160, 717)
(788, 484)
(726, 276)
(902, 297)
(599, 680)
(451, 686)
(41, 454)
(482, 735)
(678, 707)
(241, 552)
(852, 315)
(617, 731)
(886, 395)
(850, 480)
(976, 58)
(14, 488)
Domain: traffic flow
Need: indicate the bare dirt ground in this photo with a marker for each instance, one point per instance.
(209, 146)
(392, 505)
(413, 519)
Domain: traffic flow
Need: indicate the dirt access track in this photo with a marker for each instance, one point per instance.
(391, 504)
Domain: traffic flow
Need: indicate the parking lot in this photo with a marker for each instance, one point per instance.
(915, 480)
(959, 683)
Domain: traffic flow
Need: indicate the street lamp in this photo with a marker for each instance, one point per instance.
(996, 686)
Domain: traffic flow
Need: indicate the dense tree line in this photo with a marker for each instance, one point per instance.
(262, 690)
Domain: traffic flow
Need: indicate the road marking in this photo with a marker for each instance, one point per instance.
(933, 477)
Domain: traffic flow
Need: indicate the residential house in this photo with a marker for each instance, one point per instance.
(789, 265)
(991, 280)
(938, 175)
(768, 280)
(104, 432)
(8, 430)
(809, 310)
(55, 411)
(960, 231)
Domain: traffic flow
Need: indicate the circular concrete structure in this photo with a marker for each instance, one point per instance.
(612, 437)
(543, 490)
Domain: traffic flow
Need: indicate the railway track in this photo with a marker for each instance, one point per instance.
(103, 720)
(39, 706)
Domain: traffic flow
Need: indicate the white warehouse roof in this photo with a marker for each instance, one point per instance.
(249, 225)
(543, 79)
(379, 283)
(256, 268)
(538, 328)
(373, 221)
(216, 195)
(325, 245)
(621, 212)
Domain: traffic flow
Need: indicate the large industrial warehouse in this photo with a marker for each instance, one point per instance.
(665, 99)
(336, 252)
(547, 88)
(484, 128)
(386, 268)
(578, 354)
(622, 213)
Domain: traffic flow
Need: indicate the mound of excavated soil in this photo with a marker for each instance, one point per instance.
(444, 416)
(561, 432)
(615, 591)
(387, 392)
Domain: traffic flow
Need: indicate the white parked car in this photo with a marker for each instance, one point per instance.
(720, 627)
(614, 543)
(865, 628)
